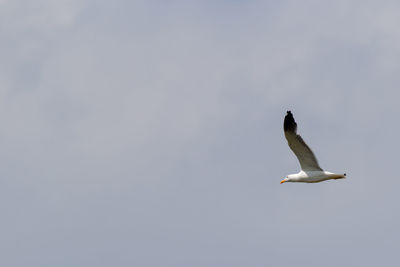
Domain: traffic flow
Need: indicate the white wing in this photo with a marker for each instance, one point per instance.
(304, 154)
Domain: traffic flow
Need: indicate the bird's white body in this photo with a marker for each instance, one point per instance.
(313, 176)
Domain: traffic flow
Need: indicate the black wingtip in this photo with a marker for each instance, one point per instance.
(289, 123)
(344, 174)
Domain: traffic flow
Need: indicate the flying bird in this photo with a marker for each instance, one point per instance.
(310, 171)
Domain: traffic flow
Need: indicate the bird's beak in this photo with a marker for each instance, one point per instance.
(283, 181)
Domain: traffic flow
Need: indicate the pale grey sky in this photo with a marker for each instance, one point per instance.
(149, 133)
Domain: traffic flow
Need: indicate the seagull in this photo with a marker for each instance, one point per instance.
(310, 171)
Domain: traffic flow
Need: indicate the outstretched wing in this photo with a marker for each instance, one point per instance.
(304, 154)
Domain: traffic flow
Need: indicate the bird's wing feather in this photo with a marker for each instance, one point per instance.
(304, 154)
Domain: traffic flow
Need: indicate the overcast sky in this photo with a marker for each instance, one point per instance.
(149, 133)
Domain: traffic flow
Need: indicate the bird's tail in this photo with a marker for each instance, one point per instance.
(339, 176)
